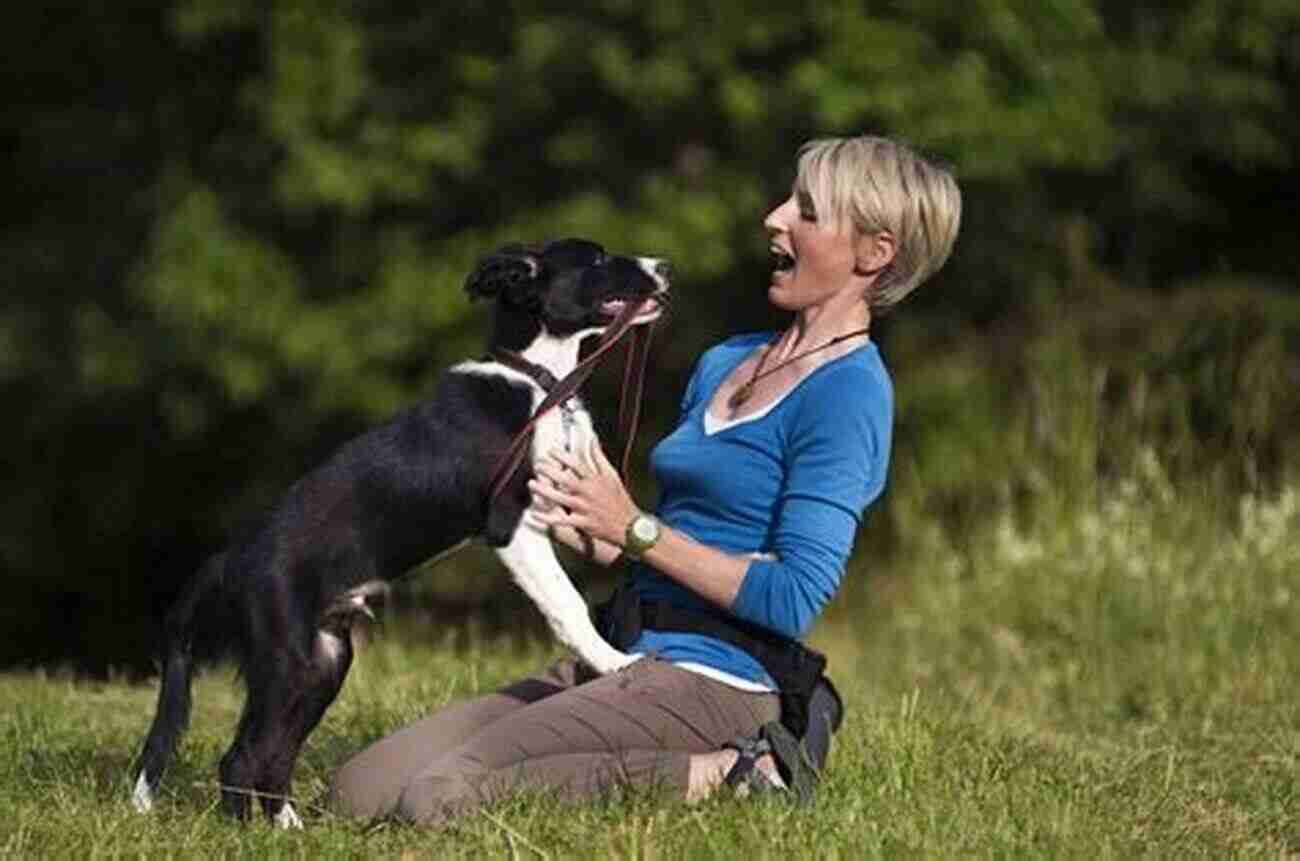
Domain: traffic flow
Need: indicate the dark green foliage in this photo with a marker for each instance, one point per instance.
(237, 232)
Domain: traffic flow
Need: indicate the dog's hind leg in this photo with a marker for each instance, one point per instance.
(331, 659)
(269, 697)
(275, 675)
(288, 695)
(532, 562)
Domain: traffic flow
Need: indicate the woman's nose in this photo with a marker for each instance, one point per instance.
(776, 220)
(772, 222)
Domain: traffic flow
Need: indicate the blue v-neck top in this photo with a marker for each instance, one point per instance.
(792, 481)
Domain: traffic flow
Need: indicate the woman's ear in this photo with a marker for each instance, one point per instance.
(874, 252)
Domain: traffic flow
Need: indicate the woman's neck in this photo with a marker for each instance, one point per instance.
(813, 327)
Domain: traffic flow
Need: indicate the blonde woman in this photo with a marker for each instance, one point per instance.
(782, 444)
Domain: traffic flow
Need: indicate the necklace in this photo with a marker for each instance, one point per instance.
(746, 390)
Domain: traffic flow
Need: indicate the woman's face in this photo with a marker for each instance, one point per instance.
(813, 257)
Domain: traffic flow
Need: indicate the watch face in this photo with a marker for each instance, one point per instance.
(645, 529)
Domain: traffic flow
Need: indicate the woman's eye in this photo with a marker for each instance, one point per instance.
(807, 211)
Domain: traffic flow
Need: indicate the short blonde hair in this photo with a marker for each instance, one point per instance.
(877, 184)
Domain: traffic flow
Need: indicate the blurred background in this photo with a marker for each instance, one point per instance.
(235, 234)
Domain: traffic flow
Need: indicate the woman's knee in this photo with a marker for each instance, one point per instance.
(361, 791)
(438, 793)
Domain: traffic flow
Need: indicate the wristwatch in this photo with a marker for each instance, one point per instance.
(642, 533)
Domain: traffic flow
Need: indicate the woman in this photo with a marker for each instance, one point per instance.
(783, 442)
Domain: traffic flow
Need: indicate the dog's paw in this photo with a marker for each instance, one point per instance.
(288, 818)
(142, 795)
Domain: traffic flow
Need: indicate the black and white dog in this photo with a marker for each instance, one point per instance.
(284, 597)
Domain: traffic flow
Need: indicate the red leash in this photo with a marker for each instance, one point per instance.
(629, 411)
(629, 403)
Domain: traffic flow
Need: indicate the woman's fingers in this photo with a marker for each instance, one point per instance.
(557, 485)
(553, 516)
(567, 460)
(553, 472)
(589, 462)
(585, 490)
(552, 493)
(596, 455)
(558, 519)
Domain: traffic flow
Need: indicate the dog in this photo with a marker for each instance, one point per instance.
(284, 596)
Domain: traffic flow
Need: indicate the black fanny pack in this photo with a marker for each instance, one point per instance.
(794, 667)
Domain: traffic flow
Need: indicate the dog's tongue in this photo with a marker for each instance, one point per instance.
(614, 306)
(629, 311)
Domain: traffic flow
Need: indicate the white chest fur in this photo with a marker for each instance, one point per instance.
(529, 555)
(566, 427)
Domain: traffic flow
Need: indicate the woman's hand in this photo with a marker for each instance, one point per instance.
(593, 549)
(598, 505)
(585, 493)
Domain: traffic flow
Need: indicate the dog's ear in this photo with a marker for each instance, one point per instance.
(504, 271)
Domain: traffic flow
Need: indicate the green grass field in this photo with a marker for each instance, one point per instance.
(1108, 677)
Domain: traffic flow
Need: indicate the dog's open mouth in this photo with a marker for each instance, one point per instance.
(651, 308)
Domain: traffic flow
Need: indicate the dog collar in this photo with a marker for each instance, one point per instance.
(543, 378)
(629, 410)
(511, 359)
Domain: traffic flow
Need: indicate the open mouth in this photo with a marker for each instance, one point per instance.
(782, 260)
(651, 309)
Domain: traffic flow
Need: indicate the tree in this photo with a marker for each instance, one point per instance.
(238, 230)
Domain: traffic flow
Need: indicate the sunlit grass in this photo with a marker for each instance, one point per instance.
(1111, 673)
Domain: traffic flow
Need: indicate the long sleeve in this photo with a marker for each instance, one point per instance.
(791, 481)
(834, 469)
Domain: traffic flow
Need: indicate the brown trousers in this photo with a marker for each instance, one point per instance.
(565, 731)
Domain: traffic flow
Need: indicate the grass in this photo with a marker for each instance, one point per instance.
(1106, 676)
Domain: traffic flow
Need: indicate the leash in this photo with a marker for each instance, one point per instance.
(629, 403)
(559, 392)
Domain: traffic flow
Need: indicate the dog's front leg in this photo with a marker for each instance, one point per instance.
(537, 571)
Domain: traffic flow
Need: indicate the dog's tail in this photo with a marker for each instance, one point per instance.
(173, 714)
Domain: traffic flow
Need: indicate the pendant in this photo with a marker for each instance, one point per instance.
(740, 395)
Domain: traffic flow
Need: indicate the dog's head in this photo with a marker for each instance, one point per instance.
(567, 288)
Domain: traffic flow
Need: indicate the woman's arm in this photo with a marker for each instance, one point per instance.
(837, 459)
(599, 505)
